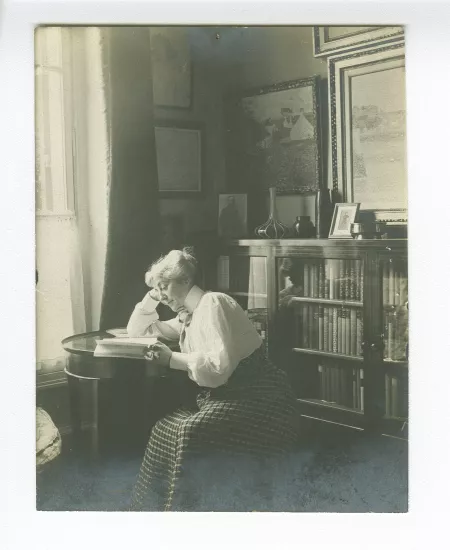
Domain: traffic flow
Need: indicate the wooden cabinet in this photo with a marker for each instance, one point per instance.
(334, 314)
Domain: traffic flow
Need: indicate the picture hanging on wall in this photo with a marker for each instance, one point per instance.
(179, 158)
(273, 138)
(171, 67)
(368, 131)
(336, 40)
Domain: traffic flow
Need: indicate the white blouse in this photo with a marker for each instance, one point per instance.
(218, 337)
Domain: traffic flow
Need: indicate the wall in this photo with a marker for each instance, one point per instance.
(200, 214)
(262, 56)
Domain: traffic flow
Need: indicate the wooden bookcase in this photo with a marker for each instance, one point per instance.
(334, 314)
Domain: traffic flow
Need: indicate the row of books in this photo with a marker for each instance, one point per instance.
(395, 283)
(330, 329)
(345, 387)
(325, 278)
(396, 393)
(396, 334)
(341, 386)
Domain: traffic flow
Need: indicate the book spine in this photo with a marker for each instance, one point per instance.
(306, 279)
(391, 283)
(321, 327)
(315, 279)
(359, 333)
(326, 328)
(333, 275)
(352, 295)
(403, 294)
(353, 333)
(357, 264)
(348, 336)
(223, 273)
(311, 327)
(385, 283)
(354, 389)
(321, 280)
(321, 384)
(339, 331)
(361, 377)
(305, 329)
(396, 286)
(315, 326)
(390, 335)
(327, 283)
(335, 330)
(361, 283)
(346, 280)
(341, 289)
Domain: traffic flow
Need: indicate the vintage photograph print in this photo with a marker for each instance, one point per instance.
(186, 359)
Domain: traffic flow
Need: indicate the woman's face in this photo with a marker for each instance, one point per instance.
(173, 293)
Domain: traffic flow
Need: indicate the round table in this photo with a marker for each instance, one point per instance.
(84, 367)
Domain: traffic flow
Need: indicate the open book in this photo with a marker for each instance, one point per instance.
(128, 348)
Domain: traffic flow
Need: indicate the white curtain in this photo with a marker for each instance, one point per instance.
(72, 175)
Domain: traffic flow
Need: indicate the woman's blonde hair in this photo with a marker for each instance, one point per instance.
(177, 265)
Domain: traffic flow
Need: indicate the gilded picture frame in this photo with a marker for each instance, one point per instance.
(273, 138)
(368, 131)
(339, 39)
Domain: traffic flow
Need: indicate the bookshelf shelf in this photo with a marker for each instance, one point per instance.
(334, 315)
(328, 354)
(322, 403)
(325, 301)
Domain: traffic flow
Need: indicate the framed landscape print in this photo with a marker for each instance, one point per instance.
(368, 130)
(273, 138)
(179, 158)
(332, 40)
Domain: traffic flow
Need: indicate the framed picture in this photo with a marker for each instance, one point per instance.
(334, 39)
(273, 138)
(232, 221)
(343, 216)
(179, 158)
(368, 131)
(171, 67)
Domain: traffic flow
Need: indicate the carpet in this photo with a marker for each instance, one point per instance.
(330, 471)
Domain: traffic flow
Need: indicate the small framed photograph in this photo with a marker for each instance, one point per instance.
(343, 217)
(233, 215)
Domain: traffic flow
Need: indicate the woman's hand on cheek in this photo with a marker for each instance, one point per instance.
(159, 354)
(154, 293)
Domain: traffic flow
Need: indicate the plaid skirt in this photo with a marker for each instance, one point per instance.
(252, 415)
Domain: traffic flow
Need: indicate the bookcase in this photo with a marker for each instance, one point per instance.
(334, 315)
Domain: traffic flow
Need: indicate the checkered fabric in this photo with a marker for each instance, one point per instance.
(253, 413)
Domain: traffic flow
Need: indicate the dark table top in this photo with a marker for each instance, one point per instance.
(83, 363)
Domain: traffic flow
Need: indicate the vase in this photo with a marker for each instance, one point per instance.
(272, 229)
(304, 227)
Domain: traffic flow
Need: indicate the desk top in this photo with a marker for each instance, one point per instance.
(83, 363)
(84, 344)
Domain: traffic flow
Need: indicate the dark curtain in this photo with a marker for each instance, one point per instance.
(134, 221)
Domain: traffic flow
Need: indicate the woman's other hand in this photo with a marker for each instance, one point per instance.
(159, 354)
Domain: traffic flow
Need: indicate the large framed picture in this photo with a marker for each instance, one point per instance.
(171, 67)
(368, 131)
(273, 138)
(334, 39)
(179, 158)
(343, 216)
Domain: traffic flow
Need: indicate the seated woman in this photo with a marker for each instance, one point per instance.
(244, 403)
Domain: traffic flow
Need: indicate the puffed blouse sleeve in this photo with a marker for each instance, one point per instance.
(221, 337)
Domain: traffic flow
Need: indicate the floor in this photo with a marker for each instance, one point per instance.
(332, 470)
